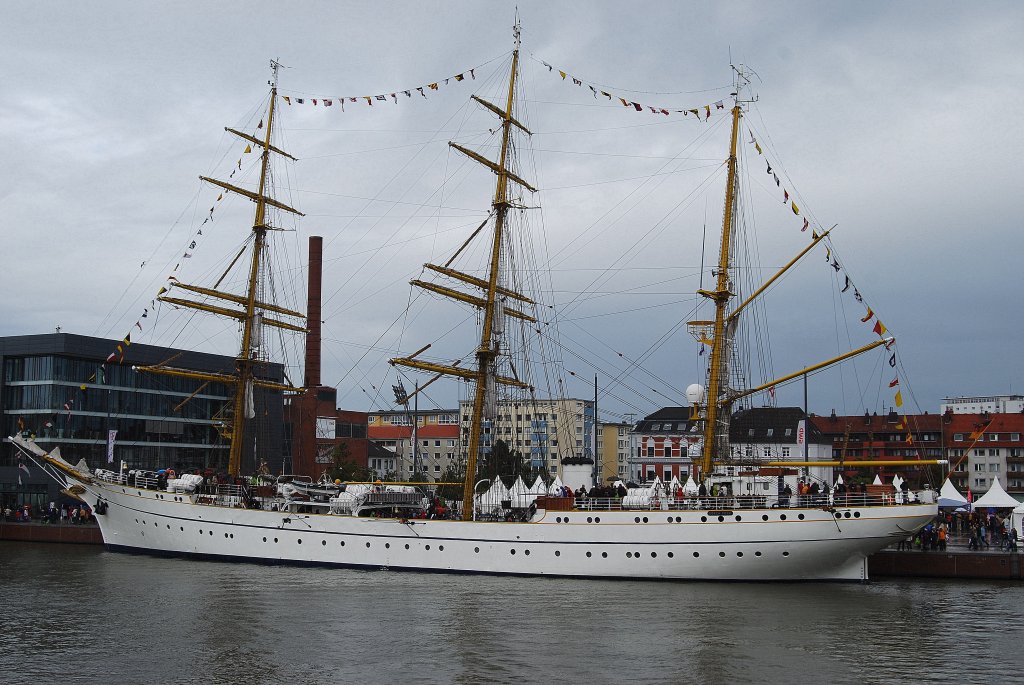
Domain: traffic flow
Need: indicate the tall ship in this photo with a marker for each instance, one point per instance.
(691, 533)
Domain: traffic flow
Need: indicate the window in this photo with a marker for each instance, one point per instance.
(979, 467)
(958, 437)
(785, 452)
(437, 468)
(650, 451)
(980, 482)
(447, 419)
(993, 437)
(655, 426)
(993, 468)
(668, 451)
(1015, 437)
(789, 431)
(667, 475)
(771, 432)
(750, 432)
(767, 452)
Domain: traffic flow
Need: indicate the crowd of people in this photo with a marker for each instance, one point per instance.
(977, 530)
(65, 513)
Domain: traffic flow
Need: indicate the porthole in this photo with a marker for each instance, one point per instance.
(604, 555)
(757, 554)
(426, 547)
(232, 536)
(300, 541)
(800, 516)
(387, 545)
(856, 514)
(323, 542)
(211, 532)
(838, 515)
(225, 536)
(739, 518)
(182, 528)
(670, 555)
(645, 519)
(696, 555)
(670, 519)
(136, 520)
(739, 554)
(264, 539)
(847, 514)
(527, 552)
(558, 519)
(636, 520)
(764, 517)
(200, 530)
(168, 526)
(654, 555)
(407, 545)
(597, 519)
(475, 549)
(157, 525)
(721, 518)
(275, 539)
(567, 519)
(440, 548)
(721, 554)
(629, 555)
(679, 519)
(589, 555)
(343, 543)
(557, 553)
(703, 519)
(513, 552)
(590, 519)
(368, 546)
(782, 517)
(785, 554)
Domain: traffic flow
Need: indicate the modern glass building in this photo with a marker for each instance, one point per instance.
(57, 388)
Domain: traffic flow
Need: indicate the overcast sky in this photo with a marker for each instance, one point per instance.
(895, 121)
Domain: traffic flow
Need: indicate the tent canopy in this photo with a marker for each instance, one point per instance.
(996, 498)
(949, 496)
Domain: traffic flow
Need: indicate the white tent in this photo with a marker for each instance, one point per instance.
(520, 494)
(996, 498)
(1017, 519)
(539, 487)
(491, 500)
(556, 486)
(691, 487)
(949, 496)
(877, 481)
(897, 482)
(674, 485)
(839, 481)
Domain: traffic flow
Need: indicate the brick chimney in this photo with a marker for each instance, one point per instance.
(316, 259)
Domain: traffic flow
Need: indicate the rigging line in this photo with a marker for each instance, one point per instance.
(630, 178)
(622, 201)
(656, 229)
(716, 89)
(391, 180)
(625, 311)
(303, 93)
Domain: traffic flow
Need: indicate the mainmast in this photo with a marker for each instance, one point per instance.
(251, 312)
(495, 294)
(718, 402)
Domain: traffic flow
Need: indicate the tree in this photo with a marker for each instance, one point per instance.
(343, 468)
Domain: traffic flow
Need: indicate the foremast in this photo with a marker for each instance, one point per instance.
(485, 376)
(250, 315)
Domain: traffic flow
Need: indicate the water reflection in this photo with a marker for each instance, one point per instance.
(100, 616)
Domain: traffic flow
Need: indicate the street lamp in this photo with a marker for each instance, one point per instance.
(475, 486)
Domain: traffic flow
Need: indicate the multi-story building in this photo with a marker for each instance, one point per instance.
(60, 388)
(544, 431)
(993, 404)
(436, 441)
(613, 449)
(984, 446)
(667, 443)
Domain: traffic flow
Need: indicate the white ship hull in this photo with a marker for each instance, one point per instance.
(685, 544)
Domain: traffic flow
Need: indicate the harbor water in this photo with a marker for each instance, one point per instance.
(76, 613)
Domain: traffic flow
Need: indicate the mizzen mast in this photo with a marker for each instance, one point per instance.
(492, 300)
(247, 309)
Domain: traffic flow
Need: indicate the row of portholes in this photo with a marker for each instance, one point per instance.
(590, 519)
(840, 514)
(230, 536)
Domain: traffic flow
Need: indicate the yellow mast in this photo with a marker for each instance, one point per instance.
(484, 377)
(250, 314)
(718, 405)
